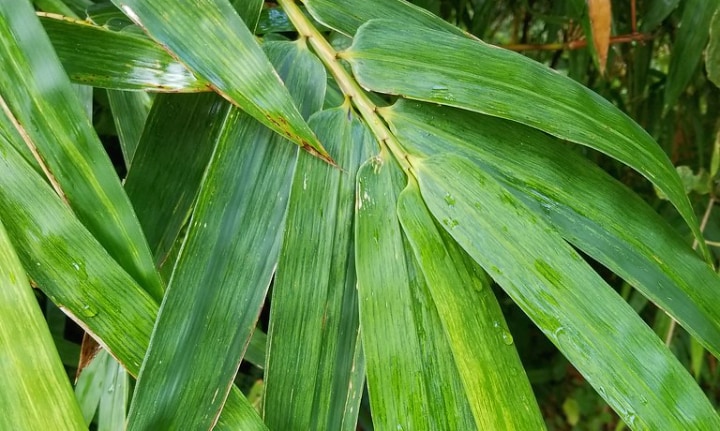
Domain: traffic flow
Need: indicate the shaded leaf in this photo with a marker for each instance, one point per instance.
(589, 323)
(181, 133)
(390, 60)
(655, 13)
(242, 74)
(130, 110)
(712, 60)
(688, 46)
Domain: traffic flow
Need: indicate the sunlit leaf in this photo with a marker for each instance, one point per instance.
(494, 380)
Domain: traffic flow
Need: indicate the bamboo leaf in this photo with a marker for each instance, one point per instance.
(212, 302)
(78, 275)
(39, 101)
(242, 74)
(120, 60)
(411, 355)
(130, 110)
(347, 16)
(688, 47)
(181, 133)
(314, 319)
(590, 324)
(712, 61)
(36, 392)
(494, 380)
(656, 12)
(589, 208)
(504, 84)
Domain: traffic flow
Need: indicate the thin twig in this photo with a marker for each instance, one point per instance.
(576, 44)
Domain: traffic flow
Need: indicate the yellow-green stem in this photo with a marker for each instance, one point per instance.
(347, 83)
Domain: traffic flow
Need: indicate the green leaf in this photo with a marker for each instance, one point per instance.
(181, 134)
(348, 15)
(212, 303)
(406, 349)
(78, 275)
(590, 324)
(655, 13)
(688, 47)
(226, 53)
(120, 60)
(712, 60)
(390, 60)
(314, 318)
(130, 109)
(36, 392)
(494, 380)
(589, 208)
(38, 99)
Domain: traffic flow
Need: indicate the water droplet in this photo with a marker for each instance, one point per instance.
(441, 92)
(507, 338)
(449, 199)
(88, 311)
(450, 222)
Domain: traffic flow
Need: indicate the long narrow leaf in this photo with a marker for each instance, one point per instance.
(395, 60)
(222, 275)
(78, 275)
(590, 209)
(494, 380)
(688, 47)
(314, 322)
(130, 109)
(226, 53)
(36, 392)
(181, 133)
(120, 60)
(38, 98)
(590, 324)
(348, 15)
(405, 347)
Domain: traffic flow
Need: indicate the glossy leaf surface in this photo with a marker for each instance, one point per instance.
(38, 99)
(504, 84)
(120, 60)
(578, 312)
(226, 53)
(314, 322)
(241, 207)
(590, 209)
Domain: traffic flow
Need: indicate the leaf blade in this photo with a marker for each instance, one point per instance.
(638, 376)
(244, 76)
(508, 90)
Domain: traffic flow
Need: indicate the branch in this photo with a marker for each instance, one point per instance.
(576, 44)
